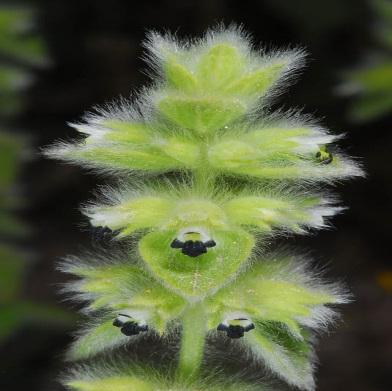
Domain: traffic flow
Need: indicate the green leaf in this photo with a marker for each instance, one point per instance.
(10, 149)
(12, 79)
(370, 106)
(375, 79)
(17, 38)
(11, 273)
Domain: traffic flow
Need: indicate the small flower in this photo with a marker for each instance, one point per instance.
(192, 248)
(236, 328)
(128, 326)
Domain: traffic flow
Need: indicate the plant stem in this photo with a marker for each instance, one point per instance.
(192, 341)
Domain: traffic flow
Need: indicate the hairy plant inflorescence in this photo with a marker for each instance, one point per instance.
(222, 176)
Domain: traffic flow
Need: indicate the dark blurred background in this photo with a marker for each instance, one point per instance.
(92, 54)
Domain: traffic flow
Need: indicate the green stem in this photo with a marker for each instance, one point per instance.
(204, 176)
(194, 329)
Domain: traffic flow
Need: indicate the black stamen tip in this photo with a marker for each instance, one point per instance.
(235, 331)
(210, 243)
(177, 244)
(194, 248)
(132, 328)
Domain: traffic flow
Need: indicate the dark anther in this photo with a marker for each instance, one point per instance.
(193, 248)
(235, 331)
(128, 327)
(210, 243)
(324, 156)
(177, 244)
(132, 328)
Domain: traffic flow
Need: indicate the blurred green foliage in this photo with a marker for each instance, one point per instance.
(17, 37)
(20, 48)
(372, 83)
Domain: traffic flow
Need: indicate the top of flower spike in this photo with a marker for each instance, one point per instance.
(221, 77)
(194, 118)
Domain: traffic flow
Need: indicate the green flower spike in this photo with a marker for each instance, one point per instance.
(227, 178)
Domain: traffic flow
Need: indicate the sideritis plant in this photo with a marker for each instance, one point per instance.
(207, 177)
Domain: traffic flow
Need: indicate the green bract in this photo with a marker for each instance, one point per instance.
(227, 177)
(195, 279)
(123, 378)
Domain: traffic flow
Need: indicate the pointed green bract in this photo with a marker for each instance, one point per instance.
(132, 215)
(195, 278)
(256, 82)
(119, 288)
(286, 356)
(257, 211)
(118, 383)
(179, 77)
(276, 290)
(126, 378)
(220, 65)
(266, 213)
(202, 115)
(97, 339)
(127, 133)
